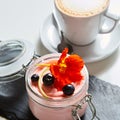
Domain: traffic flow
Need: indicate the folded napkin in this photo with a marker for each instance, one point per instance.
(106, 99)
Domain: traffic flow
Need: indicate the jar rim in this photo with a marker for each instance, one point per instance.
(37, 96)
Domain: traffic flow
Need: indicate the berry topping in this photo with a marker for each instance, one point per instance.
(48, 79)
(63, 72)
(35, 78)
(68, 89)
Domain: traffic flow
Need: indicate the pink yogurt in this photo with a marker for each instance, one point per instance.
(58, 106)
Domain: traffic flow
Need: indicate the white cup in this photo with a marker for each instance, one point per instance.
(82, 20)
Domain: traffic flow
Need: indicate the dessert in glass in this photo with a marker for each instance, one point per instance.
(56, 83)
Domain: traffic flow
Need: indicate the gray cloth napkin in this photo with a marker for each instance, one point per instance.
(106, 98)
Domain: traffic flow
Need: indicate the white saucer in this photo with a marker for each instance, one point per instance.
(102, 47)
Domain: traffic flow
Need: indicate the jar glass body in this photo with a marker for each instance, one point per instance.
(60, 109)
(13, 88)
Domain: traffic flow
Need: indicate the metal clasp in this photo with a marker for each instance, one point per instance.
(26, 66)
(88, 99)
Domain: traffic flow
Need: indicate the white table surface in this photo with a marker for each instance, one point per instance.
(22, 19)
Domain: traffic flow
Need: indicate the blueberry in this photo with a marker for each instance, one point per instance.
(48, 79)
(35, 78)
(68, 89)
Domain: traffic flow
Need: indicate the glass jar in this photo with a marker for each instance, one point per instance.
(14, 54)
(67, 108)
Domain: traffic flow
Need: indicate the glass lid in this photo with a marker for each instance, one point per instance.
(13, 55)
(11, 51)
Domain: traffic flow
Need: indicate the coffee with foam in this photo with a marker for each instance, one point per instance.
(81, 8)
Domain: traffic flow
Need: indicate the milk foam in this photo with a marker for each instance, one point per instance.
(81, 7)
